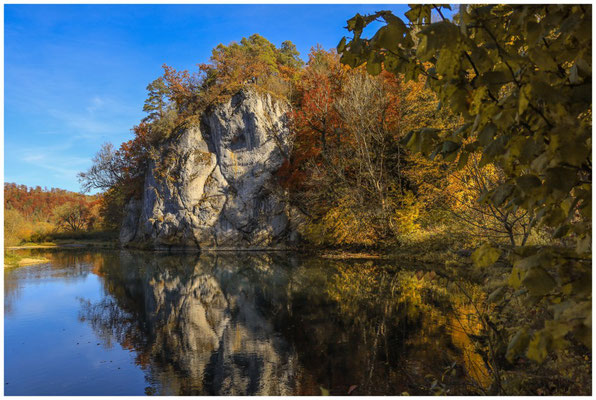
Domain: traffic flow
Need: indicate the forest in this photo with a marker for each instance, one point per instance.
(36, 215)
(462, 143)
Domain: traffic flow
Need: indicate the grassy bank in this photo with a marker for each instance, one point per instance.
(12, 260)
(95, 239)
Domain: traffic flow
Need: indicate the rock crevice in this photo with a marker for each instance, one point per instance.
(214, 184)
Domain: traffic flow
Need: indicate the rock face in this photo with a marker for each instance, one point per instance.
(213, 184)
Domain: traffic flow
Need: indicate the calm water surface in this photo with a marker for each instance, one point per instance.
(134, 323)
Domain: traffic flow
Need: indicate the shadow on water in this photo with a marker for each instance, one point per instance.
(274, 324)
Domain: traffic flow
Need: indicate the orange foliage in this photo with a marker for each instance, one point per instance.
(180, 86)
(40, 203)
(314, 119)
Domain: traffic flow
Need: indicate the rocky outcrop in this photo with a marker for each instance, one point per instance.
(213, 184)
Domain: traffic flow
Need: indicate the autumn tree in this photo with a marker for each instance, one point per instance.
(347, 170)
(520, 78)
(254, 60)
(72, 216)
(119, 173)
(464, 186)
(314, 118)
(363, 107)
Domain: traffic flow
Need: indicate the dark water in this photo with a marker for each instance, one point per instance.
(133, 323)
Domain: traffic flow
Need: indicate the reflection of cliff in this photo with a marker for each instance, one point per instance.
(274, 325)
(198, 339)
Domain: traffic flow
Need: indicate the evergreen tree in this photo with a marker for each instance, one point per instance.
(157, 101)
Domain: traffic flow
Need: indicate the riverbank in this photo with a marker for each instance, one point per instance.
(12, 260)
(67, 244)
(436, 250)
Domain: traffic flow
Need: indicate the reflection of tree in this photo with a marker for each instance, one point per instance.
(421, 311)
(275, 325)
(12, 290)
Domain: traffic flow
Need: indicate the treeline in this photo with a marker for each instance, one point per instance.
(348, 171)
(35, 214)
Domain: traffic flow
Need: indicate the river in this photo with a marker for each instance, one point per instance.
(133, 323)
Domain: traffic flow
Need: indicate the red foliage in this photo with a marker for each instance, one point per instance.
(40, 203)
(314, 120)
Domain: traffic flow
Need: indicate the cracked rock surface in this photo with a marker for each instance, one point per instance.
(213, 184)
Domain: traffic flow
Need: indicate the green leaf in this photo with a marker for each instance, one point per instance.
(561, 178)
(342, 45)
(356, 23)
(419, 14)
(542, 59)
(574, 153)
(389, 36)
(573, 75)
(584, 244)
(497, 294)
(528, 262)
(538, 281)
(449, 147)
(584, 334)
(561, 231)
(556, 330)
(501, 193)
(463, 159)
(477, 98)
(528, 182)
(485, 255)
(515, 278)
(525, 94)
(487, 134)
(538, 347)
(534, 31)
(373, 65)
(518, 344)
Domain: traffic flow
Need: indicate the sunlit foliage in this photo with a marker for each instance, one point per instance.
(520, 78)
(34, 214)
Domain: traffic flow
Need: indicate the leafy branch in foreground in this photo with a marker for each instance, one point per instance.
(520, 76)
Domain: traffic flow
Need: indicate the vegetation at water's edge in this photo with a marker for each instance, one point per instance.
(11, 259)
(36, 216)
(465, 142)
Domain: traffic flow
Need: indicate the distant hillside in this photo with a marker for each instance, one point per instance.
(34, 214)
(38, 202)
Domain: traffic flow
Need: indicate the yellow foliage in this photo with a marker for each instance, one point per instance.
(342, 225)
(405, 215)
(18, 229)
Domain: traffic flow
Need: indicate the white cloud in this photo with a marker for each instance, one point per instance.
(55, 160)
(96, 104)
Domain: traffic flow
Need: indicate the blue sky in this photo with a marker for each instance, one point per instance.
(75, 75)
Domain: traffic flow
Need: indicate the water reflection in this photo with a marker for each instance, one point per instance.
(274, 324)
(69, 267)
